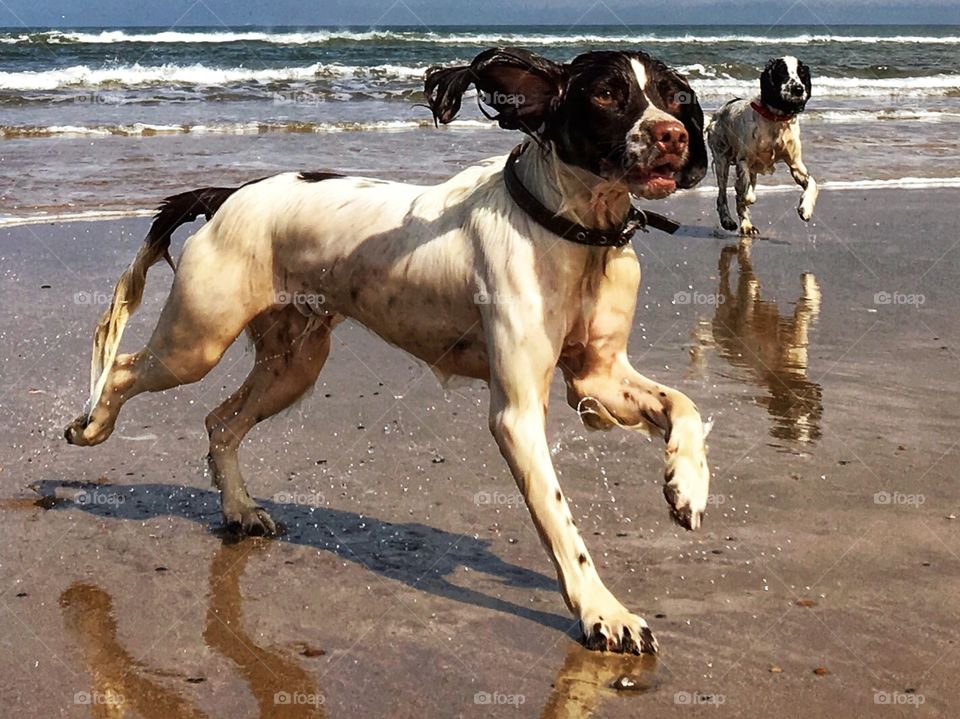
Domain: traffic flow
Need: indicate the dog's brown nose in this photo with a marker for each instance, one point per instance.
(671, 137)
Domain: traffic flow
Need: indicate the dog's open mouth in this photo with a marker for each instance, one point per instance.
(656, 180)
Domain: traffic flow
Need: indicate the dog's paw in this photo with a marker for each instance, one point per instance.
(805, 211)
(687, 485)
(252, 521)
(83, 432)
(747, 229)
(728, 223)
(609, 627)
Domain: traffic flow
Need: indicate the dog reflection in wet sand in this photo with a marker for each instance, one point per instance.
(750, 333)
(124, 686)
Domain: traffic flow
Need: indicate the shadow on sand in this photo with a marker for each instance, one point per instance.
(418, 555)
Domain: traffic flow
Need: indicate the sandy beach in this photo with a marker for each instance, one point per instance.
(823, 583)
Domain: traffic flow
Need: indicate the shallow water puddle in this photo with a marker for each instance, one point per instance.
(769, 348)
(588, 679)
(121, 683)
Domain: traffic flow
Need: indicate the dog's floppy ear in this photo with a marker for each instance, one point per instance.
(521, 87)
(769, 91)
(803, 70)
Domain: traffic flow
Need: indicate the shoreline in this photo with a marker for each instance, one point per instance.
(902, 183)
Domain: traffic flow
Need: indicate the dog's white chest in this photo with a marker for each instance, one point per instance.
(769, 145)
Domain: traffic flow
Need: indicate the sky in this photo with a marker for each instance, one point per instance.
(368, 13)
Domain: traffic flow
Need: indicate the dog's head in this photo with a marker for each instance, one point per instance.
(785, 85)
(623, 116)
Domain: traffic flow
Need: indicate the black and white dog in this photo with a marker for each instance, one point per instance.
(754, 135)
(545, 231)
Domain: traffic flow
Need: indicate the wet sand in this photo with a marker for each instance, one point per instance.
(411, 582)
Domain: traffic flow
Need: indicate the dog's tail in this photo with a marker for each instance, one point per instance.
(173, 211)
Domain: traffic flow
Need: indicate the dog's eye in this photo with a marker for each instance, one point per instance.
(604, 97)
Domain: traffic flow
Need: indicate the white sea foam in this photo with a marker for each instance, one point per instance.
(901, 183)
(847, 117)
(84, 216)
(825, 86)
(523, 38)
(83, 76)
(127, 76)
(141, 129)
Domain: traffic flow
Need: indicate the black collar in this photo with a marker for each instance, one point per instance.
(564, 228)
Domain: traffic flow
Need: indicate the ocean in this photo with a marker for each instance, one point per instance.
(108, 120)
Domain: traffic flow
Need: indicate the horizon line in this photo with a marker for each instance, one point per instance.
(566, 26)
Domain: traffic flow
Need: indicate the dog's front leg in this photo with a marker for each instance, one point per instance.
(808, 201)
(519, 390)
(608, 391)
(745, 197)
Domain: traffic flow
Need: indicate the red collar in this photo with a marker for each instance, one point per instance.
(766, 113)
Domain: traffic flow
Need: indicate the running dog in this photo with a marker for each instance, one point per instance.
(545, 231)
(754, 135)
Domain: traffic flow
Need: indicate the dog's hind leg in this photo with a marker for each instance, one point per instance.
(722, 170)
(214, 296)
(290, 352)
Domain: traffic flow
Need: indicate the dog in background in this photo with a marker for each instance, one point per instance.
(754, 135)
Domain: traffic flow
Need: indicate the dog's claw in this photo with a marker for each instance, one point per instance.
(597, 640)
(686, 517)
(618, 631)
(251, 522)
(729, 224)
(648, 642)
(73, 432)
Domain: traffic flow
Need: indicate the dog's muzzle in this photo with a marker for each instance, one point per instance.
(654, 167)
